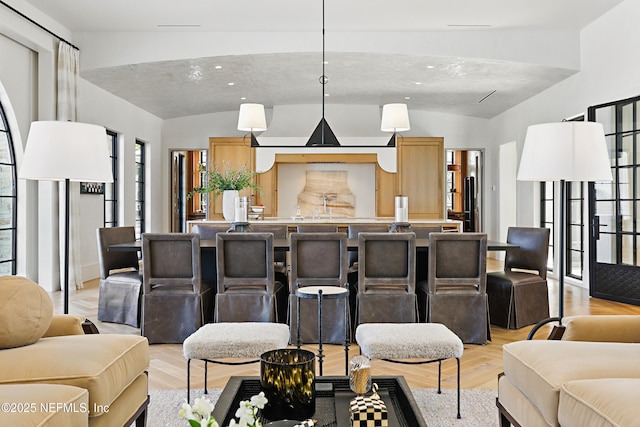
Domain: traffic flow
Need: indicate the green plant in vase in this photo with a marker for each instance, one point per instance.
(227, 181)
(219, 179)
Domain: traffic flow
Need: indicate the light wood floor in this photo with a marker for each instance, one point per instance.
(480, 364)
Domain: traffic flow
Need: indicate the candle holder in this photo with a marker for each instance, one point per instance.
(287, 377)
(360, 375)
(401, 224)
(240, 212)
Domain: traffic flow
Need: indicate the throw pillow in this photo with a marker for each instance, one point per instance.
(25, 311)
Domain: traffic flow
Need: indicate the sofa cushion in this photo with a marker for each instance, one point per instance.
(49, 405)
(104, 364)
(25, 311)
(608, 402)
(605, 328)
(538, 368)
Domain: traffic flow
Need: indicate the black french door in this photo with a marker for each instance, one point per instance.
(614, 207)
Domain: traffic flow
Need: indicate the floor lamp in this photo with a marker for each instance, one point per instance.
(565, 151)
(66, 151)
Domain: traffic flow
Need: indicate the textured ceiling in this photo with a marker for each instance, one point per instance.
(454, 85)
(466, 86)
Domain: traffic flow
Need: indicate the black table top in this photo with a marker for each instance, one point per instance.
(283, 245)
(332, 400)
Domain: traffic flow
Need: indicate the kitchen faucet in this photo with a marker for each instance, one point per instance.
(326, 197)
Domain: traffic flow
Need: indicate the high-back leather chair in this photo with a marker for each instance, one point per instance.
(519, 295)
(422, 257)
(208, 258)
(120, 278)
(353, 230)
(208, 231)
(176, 302)
(423, 231)
(281, 268)
(317, 228)
(318, 259)
(246, 284)
(386, 278)
(456, 289)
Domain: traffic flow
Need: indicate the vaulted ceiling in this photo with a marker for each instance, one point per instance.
(427, 76)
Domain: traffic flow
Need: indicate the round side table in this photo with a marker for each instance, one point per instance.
(320, 293)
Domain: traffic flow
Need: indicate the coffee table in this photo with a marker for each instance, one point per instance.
(332, 400)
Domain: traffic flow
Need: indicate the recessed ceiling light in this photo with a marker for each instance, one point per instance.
(468, 25)
(218, 67)
(407, 97)
(326, 94)
(230, 84)
(430, 67)
(417, 83)
(243, 98)
(325, 62)
(179, 25)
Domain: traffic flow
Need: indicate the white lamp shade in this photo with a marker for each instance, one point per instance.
(569, 151)
(252, 118)
(59, 150)
(395, 118)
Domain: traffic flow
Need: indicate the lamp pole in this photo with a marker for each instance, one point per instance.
(66, 244)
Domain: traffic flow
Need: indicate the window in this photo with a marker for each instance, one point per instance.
(8, 199)
(199, 180)
(451, 179)
(575, 230)
(547, 208)
(140, 187)
(111, 190)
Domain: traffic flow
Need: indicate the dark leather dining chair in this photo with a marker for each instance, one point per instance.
(353, 230)
(120, 278)
(422, 257)
(317, 228)
(281, 267)
(519, 295)
(318, 259)
(209, 231)
(455, 291)
(246, 284)
(176, 302)
(208, 258)
(386, 278)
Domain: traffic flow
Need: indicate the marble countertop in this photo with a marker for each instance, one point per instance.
(332, 220)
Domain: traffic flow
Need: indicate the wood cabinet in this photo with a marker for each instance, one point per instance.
(235, 153)
(421, 176)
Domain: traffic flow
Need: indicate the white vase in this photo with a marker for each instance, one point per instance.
(228, 204)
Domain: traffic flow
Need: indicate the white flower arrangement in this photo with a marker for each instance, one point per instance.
(199, 415)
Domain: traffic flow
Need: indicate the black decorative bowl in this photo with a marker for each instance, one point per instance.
(287, 377)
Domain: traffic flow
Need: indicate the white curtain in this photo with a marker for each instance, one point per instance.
(68, 68)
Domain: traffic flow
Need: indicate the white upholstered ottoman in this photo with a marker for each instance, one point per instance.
(392, 342)
(238, 340)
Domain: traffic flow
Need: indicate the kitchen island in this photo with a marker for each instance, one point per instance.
(341, 222)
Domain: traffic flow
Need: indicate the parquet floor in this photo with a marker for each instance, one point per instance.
(480, 364)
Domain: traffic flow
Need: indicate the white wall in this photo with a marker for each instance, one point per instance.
(27, 72)
(131, 123)
(609, 72)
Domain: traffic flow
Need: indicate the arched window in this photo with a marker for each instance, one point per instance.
(8, 199)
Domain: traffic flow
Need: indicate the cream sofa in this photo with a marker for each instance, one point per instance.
(52, 374)
(591, 377)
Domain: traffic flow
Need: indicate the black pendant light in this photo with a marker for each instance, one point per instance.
(323, 136)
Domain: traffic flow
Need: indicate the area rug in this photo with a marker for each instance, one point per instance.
(478, 407)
